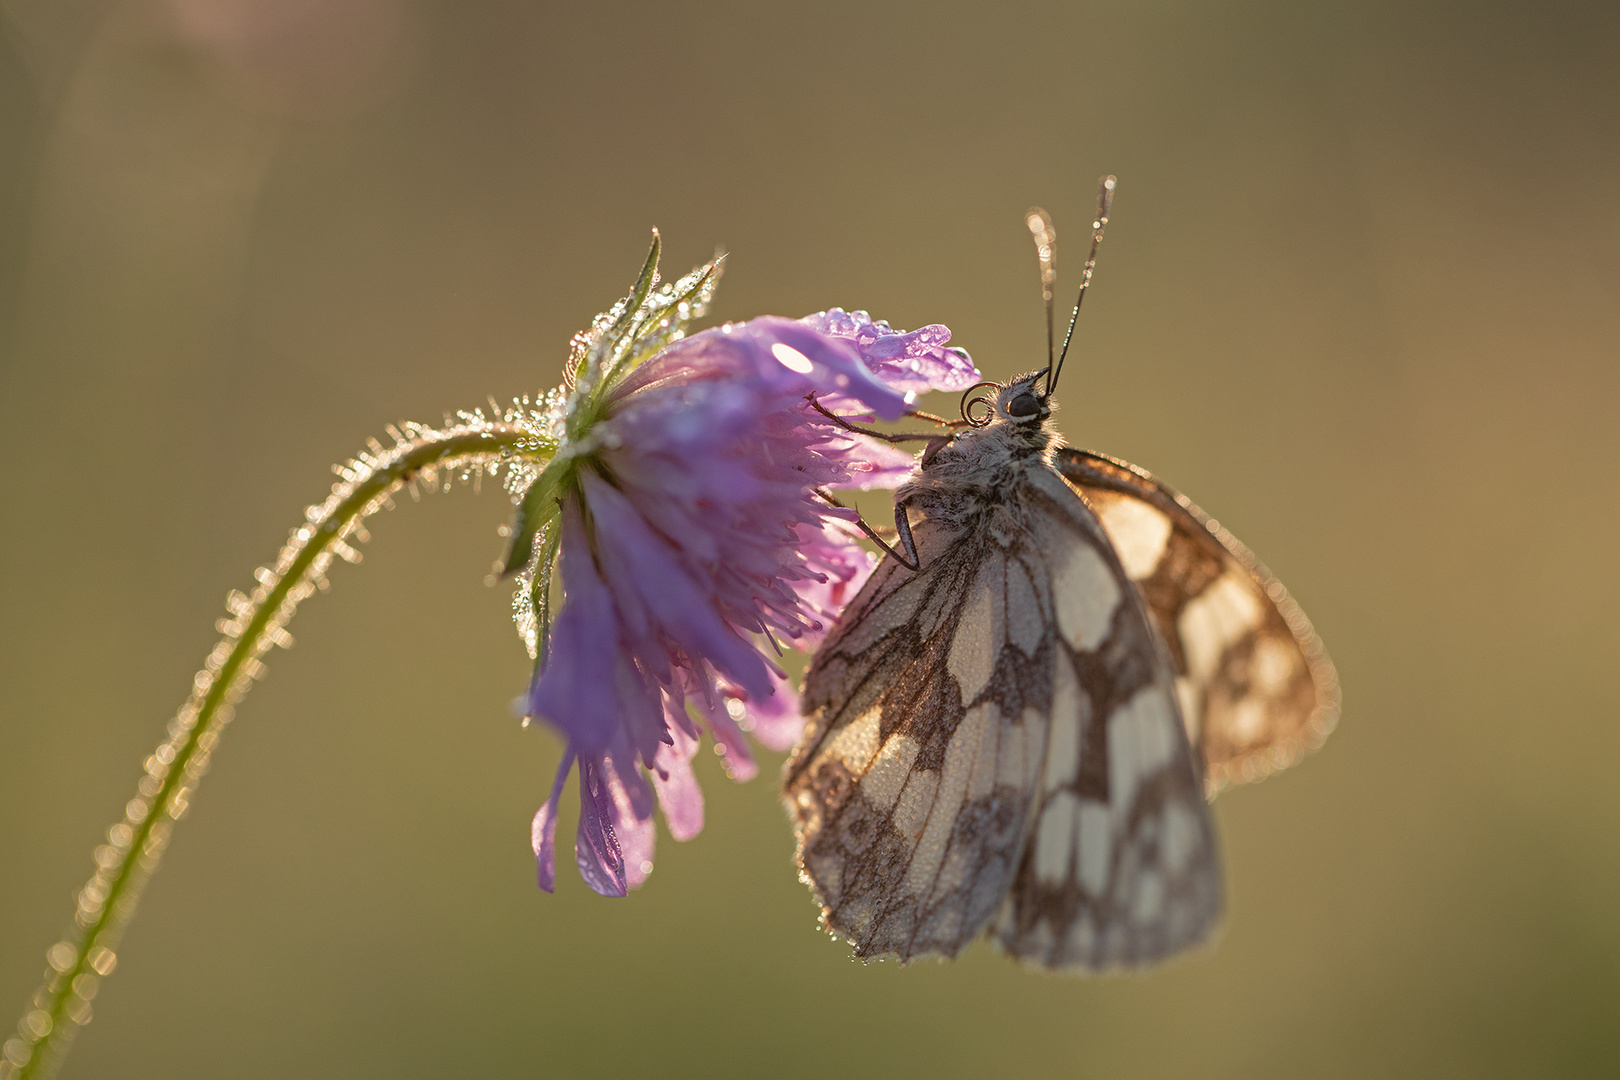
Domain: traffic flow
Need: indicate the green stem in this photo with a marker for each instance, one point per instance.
(107, 901)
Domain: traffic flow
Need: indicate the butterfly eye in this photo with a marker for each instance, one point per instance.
(1023, 405)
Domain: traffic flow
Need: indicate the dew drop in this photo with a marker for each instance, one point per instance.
(103, 960)
(61, 955)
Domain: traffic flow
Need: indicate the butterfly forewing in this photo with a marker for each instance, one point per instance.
(1255, 684)
(912, 788)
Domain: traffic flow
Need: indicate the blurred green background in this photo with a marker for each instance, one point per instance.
(1358, 300)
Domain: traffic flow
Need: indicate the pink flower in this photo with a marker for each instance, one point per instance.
(693, 544)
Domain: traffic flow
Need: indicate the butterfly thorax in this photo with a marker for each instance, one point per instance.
(965, 479)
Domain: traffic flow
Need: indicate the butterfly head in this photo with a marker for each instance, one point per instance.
(1021, 401)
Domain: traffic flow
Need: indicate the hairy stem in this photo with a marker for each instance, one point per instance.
(420, 455)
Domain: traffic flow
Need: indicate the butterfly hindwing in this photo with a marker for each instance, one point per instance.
(1255, 683)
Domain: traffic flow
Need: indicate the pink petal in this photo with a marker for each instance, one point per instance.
(584, 643)
(776, 721)
(739, 759)
(677, 786)
(633, 824)
(596, 846)
(876, 464)
(543, 832)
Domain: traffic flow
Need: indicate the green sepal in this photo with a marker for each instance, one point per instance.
(644, 284)
(629, 308)
(648, 336)
(538, 509)
(540, 597)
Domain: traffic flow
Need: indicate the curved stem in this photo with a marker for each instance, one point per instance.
(257, 623)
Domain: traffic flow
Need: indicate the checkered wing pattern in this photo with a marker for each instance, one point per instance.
(1255, 685)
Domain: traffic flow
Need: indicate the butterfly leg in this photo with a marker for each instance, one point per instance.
(902, 524)
(871, 534)
(888, 437)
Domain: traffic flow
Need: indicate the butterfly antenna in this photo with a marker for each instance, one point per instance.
(1040, 227)
(1105, 201)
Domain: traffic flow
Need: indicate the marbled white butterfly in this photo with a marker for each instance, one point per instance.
(1016, 723)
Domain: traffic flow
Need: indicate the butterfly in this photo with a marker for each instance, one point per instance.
(1016, 724)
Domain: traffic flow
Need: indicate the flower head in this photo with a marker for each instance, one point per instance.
(694, 541)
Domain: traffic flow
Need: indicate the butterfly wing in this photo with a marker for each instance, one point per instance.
(1255, 684)
(997, 738)
(1120, 867)
(910, 790)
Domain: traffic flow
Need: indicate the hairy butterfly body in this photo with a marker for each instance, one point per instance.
(1016, 734)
